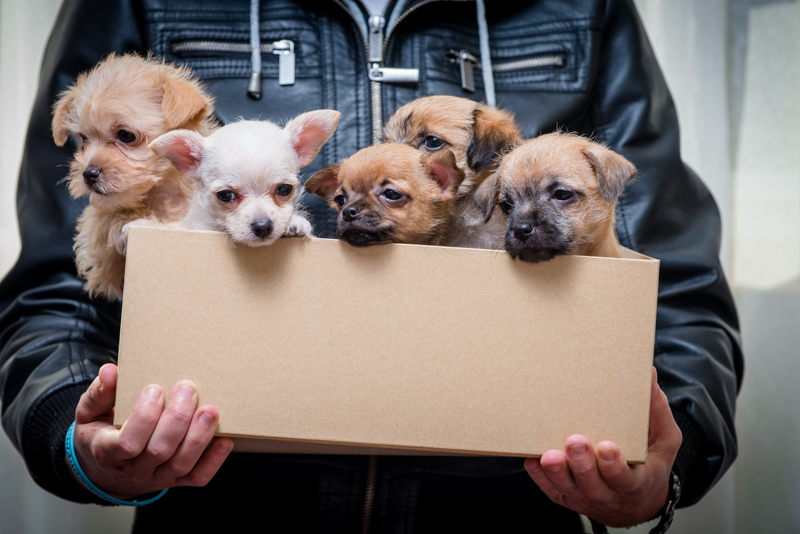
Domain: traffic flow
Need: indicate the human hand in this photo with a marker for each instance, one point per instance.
(157, 447)
(600, 485)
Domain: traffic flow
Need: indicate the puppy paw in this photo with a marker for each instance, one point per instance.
(298, 227)
(121, 241)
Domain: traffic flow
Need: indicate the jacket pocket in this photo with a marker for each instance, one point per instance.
(538, 59)
(216, 46)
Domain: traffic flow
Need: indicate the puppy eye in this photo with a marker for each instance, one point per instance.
(226, 196)
(506, 205)
(391, 194)
(284, 190)
(83, 138)
(125, 136)
(563, 194)
(340, 200)
(433, 143)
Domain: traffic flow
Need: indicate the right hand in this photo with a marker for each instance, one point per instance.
(157, 447)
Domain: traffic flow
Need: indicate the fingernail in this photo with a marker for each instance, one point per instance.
(152, 394)
(224, 446)
(607, 455)
(186, 391)
(207, 419)
(577, 450)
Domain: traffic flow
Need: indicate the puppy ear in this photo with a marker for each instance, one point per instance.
(184, 148)
(309, 131)
(325, 182)
(183, 104)
(613, 171)
(442, 169)
(493, 131)
(61, 112)
(485, 196)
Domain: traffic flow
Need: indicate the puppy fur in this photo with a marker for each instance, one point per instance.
(477, 135)
(556, 194)
(391, 193)
(113, 112)
(246, 175)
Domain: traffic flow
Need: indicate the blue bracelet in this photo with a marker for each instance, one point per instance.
(69, 445)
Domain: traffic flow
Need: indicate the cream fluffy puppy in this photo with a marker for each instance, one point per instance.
(246, 175)
(112, 112)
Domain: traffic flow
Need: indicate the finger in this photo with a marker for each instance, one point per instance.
(209, 463)
(614, 469)
(583, 466)
(554, 464)
(534, 468)
(172, 426)
(97, 401)
(200, 433)
(136, 431)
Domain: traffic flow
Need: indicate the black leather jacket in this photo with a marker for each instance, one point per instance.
(53, 338)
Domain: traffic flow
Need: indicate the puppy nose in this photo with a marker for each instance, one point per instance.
(262, 227)
(350, 213)
(90, 174)
(523, 229)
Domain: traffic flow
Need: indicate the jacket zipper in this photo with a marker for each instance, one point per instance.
(467, 62)
(369, 494)
(284, 49)
(374, 46)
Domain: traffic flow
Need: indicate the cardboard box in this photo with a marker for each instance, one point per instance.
(312, 345)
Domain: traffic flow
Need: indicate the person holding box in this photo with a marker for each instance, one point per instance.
(584, 66)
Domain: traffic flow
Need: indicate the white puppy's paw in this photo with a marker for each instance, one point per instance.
(298, 227)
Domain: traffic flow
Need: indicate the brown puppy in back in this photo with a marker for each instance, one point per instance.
(477, 135)
(390, 193)
(556, 194)
(113, 112)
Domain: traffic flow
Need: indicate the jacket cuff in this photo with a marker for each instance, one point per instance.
(43, 443)
(689, 461)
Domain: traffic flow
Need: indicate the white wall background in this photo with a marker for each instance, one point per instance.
(733, 67)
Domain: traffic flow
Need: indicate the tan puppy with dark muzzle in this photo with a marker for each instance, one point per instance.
(557, 194)
(390, 193)
(477, 135)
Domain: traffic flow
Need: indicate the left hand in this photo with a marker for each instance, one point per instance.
(599, 484)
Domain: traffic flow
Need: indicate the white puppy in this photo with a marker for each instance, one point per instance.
(246, 174)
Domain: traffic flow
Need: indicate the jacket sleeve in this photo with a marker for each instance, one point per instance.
(53, 338)
(669, 214)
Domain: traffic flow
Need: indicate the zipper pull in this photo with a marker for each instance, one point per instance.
(285, 51)
(377, 73)
(467, 62)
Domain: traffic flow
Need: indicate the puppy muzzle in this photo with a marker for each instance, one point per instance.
(534, 243)
(262, 228)
(91, 176)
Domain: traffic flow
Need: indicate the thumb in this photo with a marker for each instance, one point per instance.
(97, 402)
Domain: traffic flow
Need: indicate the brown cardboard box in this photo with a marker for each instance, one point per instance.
(311, 345)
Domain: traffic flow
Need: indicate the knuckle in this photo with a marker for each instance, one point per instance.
(197, 479)
(158, 452)
(178, 417)
(128, 447)
(179, 469)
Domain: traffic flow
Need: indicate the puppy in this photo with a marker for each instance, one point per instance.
(477, 135)
(391, 193)
(246, 175)
(113, 112)
(556, 194)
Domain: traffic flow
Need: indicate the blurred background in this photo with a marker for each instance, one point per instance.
(733, 67)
